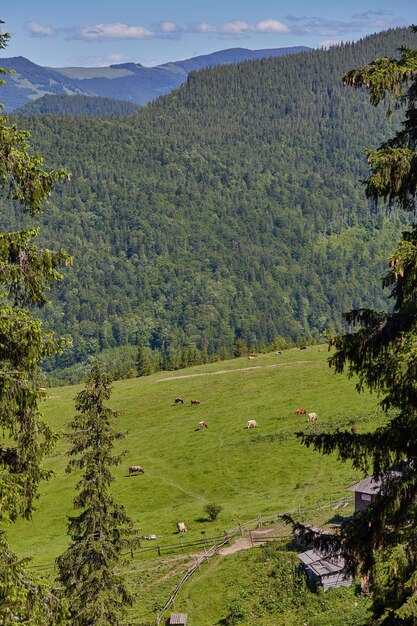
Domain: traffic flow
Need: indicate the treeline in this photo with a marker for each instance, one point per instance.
(230, 209)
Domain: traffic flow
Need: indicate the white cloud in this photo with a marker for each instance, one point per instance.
(40, 30)
(169, 27)
(235, 28)
(271, 26)
(103, 32)
(239, 28)
(202, 27)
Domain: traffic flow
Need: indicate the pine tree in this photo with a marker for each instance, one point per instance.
(143, 364)
(26, 274)
(240, 348)
(96, 593)
(380, 543)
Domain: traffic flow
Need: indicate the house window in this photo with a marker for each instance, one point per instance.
(366, 497)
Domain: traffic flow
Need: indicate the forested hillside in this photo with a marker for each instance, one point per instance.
(230, 208)
(78, 105)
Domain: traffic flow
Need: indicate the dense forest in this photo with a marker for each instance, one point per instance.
(78, 105)
(230, 209)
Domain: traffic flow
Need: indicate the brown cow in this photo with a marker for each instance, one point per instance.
(195, 402)
(136, 469)
(301, 412)
(202, 425)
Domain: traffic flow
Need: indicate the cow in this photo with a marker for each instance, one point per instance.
(202, 425)
(353, 430)
(252, 423)
(301, 411)
(179, 401)
(303, 348)
(278, 353)
(253, 354)
(195, 402)
(182, 527)
(251, 358)
(136, 469)
(312, 416)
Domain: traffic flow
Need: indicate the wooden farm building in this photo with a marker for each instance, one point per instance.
(325, 570)
(366, 491)
(180, 619)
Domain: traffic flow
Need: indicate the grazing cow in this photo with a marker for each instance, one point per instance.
(179, 401)
(278, 352)
(195, 402)
(312, 416)
(303, 348)
(251, 358)
(202, 425)
(252, 423)
(182, 527)
(301, 412)
(136, 469)
(253, 354)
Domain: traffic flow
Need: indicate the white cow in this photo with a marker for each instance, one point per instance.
(252, 423)
(312, 416)
(182, 527)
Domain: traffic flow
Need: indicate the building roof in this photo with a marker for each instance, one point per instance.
(369, 485)
(321, 565)
(178, 618)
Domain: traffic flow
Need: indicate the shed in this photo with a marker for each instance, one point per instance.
(366, 491)
(178, 618)
(326, 570)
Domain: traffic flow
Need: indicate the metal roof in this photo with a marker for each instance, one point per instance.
(178, 618)
(369, 485)
(321, 565)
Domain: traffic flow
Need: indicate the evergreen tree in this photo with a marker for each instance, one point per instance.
(143, 363)
(380, 542)
(96, 594)
(26, 273)
(240, 348)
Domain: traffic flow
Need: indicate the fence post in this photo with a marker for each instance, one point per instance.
(226, 536)
(259, 521)
(158, 547)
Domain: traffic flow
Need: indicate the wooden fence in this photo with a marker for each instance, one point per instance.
(243, 529)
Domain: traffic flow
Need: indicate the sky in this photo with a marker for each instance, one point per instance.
(91, 33)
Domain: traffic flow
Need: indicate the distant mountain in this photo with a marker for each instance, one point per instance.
(230, 209)
(128, 81)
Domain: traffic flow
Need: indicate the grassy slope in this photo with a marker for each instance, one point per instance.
(184, 469)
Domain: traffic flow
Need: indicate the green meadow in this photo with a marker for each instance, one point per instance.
(247, 471)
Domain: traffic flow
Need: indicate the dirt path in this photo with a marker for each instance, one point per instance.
(239, 369)
(256, 538)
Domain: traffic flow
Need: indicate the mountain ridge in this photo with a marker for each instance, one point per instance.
(131, 82)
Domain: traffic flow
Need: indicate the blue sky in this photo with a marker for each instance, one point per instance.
(58, 33)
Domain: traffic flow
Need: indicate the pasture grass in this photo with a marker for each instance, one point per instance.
(269, 589)
(247, 471)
